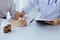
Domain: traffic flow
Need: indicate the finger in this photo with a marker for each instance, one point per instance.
(23, 19)
(50, 22)
(53, 24)
(59, 21)
(24, 24)
(21, 22)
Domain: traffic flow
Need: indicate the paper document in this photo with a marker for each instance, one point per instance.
(41, 19)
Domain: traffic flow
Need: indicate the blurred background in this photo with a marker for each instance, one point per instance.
(21, 3)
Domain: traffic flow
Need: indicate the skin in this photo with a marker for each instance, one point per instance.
(54, 22)
(18, 14)
(21, 15)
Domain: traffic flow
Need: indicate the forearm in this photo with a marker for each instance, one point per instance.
(30, 4)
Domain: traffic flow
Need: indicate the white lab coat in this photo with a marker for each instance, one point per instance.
(46, 11)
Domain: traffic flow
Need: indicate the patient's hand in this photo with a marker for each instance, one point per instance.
(54, 22)
(22, 21)
(20, 18)
(18, 14)
(19, 22)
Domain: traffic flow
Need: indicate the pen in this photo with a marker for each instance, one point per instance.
(55, 1)
(32, 20)
(48, 2)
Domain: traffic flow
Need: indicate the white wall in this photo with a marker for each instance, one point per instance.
(20, 4)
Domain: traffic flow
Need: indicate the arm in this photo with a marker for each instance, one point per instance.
(30, 4)
(16, 15)
(13, 11)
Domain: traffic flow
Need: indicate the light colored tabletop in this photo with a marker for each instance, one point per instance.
(32, 31)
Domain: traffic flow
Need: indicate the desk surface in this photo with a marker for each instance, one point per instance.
(33, 31)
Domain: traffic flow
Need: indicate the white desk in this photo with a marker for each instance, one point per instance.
(33, 32)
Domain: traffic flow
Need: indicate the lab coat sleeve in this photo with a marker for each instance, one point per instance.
(12, 9)
(30, 4)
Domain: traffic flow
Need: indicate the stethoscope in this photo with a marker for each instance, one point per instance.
(54, 3)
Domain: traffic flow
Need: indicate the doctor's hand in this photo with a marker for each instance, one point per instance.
(54, 22)
(18, 14)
